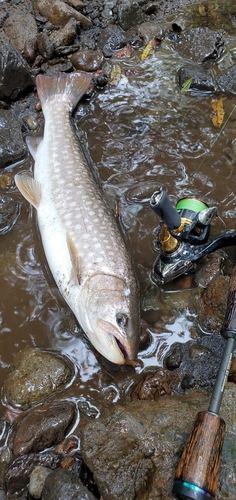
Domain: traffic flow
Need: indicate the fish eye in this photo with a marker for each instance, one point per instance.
(122, 320)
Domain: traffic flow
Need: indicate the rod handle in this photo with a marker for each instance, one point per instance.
(229, 324)
(199, 465)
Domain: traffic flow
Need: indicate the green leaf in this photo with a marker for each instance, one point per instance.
(186, 86)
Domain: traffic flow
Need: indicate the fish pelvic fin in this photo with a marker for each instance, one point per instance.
(75, 275)
(70, 87)
(29, 188)
(33, 142)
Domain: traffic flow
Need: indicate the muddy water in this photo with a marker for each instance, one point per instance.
(138, 134)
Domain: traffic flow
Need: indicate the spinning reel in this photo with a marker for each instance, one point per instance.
(183, 235)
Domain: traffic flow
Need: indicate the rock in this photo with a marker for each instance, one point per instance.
(203, 79)
(227, 81)
(62, 484)
(15, 76)
(148, 31)
(37, 480)
(66, 35)
(209, 268)
(30, 49)
(155, 385)
(76, 4)
(133, 450)
(43, 426)
(37, 374)
(174, 358)
(59, 13)
(9, 212)
(87, 60)
(111, 38)
(17, 473)
(129, 15)
(20, 28)
(200, 44)
(45, 45)
(212, 305)
(30, 121)
(12, 147)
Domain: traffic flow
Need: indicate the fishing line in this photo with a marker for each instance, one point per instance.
(216, 139)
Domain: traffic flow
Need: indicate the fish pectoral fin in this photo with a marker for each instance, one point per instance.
(29, 188)
(75, 261)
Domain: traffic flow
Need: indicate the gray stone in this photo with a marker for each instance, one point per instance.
(130, 15)
(200, 44)
(37, 374)
(12, 147)
(15, 75)
(227, 81)
(20, 28)
(37, 480)
(62, 484)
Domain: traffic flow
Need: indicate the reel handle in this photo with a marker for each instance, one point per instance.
(160, 203)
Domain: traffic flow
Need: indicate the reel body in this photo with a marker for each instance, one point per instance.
(183, 235)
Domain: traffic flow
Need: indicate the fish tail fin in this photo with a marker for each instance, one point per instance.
(68, 87)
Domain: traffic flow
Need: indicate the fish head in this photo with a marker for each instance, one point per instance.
(111, 316)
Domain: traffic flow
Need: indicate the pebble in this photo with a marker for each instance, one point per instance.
(37, 480)
(31, 122)
(65, 36)
(45, 45)
(87, 60)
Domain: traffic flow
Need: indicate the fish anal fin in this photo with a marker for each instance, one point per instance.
(29, 188)
(33, 142)
(75, 275)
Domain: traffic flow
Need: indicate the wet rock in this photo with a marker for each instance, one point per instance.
(200, 44)
(59, 13)
(87, 60)
(37, 480)
(232, 371)
(155, 385)
(30, 49)
(45, 45)
(124, 448)
(227, 81)
(9, 212)
(129, 15)
(66, 35)
(37, 374)
(15, 75)
(203, 79)
(174, 358)
(148, 31)
(62, 484)
(76, 4)
(20, 28)
(17, 474)
(112, 38)
(212, 304)
(209, 268)
(200, 362)
(12, 147)
(43, 426)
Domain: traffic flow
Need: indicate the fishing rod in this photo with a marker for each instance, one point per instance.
(198, 470)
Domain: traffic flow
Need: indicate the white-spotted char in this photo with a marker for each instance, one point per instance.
(84, 248)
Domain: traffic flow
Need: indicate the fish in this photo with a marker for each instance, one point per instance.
(83, 243)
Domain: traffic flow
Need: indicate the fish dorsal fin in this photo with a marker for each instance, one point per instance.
(29, 188)
(33, 142)
(75, 275)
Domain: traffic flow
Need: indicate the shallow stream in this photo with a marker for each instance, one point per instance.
(138, 134)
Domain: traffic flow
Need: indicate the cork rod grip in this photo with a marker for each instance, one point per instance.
(229, 323)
